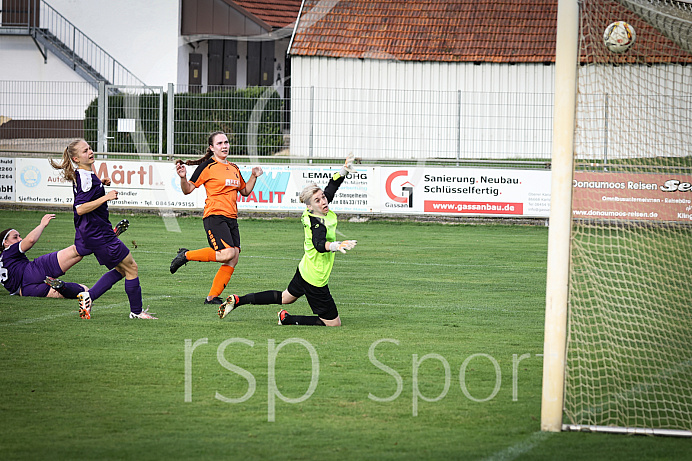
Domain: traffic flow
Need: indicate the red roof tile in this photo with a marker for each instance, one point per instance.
(276, 13)
(507, 31)
(429, 30)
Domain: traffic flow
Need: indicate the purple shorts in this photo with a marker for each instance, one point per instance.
(109, 251)
(33, 283)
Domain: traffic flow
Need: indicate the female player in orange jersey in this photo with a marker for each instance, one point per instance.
(222, 181)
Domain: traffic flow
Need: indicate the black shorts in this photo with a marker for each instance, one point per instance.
(319, 298)
(222, 232)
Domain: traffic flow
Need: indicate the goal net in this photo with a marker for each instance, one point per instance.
(629, 344)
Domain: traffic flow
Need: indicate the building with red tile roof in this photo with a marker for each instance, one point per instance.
(501, 31)
(276, 13)
(495, 31)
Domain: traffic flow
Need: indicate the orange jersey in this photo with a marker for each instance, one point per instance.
(222, 182)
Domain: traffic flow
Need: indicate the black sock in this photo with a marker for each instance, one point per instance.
(263, 297)
(302, 320)
(70, 290)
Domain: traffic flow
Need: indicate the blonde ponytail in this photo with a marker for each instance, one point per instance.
(66, 165)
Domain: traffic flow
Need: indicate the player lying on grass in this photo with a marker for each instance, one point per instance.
(38, 278)
(312, 275)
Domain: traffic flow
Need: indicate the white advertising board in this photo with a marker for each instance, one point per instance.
(465, 191)
(386, 190)
(7, 180)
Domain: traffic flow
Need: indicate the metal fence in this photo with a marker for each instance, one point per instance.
(377, 125)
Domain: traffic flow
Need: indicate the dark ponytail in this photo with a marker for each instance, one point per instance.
(3, 236)
(206, 156)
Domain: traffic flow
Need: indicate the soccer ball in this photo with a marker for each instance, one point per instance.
(619, 37)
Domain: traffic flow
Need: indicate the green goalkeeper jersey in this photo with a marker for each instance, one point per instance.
(317, 262)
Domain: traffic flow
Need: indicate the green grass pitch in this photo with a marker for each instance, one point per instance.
(438, 356)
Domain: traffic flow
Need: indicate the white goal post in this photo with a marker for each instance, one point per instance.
(555, 337)
(618, 320)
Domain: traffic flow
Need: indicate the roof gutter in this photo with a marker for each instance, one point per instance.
(295, 28)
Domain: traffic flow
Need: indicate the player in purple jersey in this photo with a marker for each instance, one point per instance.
(94, 232)
(29, 278)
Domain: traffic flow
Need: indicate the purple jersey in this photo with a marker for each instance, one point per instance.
(93, 231)
(12, 265)
(90, 227)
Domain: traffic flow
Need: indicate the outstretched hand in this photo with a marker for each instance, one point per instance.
(33, 236)
(181, 170)
(342, 246)
(348, 165)
(46, 219)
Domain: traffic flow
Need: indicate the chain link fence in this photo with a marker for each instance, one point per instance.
(38, 118)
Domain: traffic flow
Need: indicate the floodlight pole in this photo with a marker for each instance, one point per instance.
(559, 233)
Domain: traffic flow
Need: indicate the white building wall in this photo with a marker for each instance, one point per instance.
(142, 36)
(634, 111)
(414, 110)
(22, 61)
(414, 75)
(23, 93)
(386, 109)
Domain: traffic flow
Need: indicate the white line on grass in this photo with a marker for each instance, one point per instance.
(536, 438)
(55, 316)
(520, 448)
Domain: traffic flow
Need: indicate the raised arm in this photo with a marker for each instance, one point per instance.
(336, 179)
(250, 183)
(186, 186)
(33, 236)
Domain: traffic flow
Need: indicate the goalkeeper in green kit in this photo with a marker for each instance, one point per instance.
(312, 275)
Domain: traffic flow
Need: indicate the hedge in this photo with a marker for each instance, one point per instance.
(243, 114)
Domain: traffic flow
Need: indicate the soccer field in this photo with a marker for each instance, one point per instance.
(439, 356)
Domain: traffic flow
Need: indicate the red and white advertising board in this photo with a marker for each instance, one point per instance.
(628, 196)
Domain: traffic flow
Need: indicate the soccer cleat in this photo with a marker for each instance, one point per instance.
(84, 305)
(121, 227)
(228, 306)
(54, 283)
(214, 300)
(143, 315)
(283, 313)
(179, 260)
